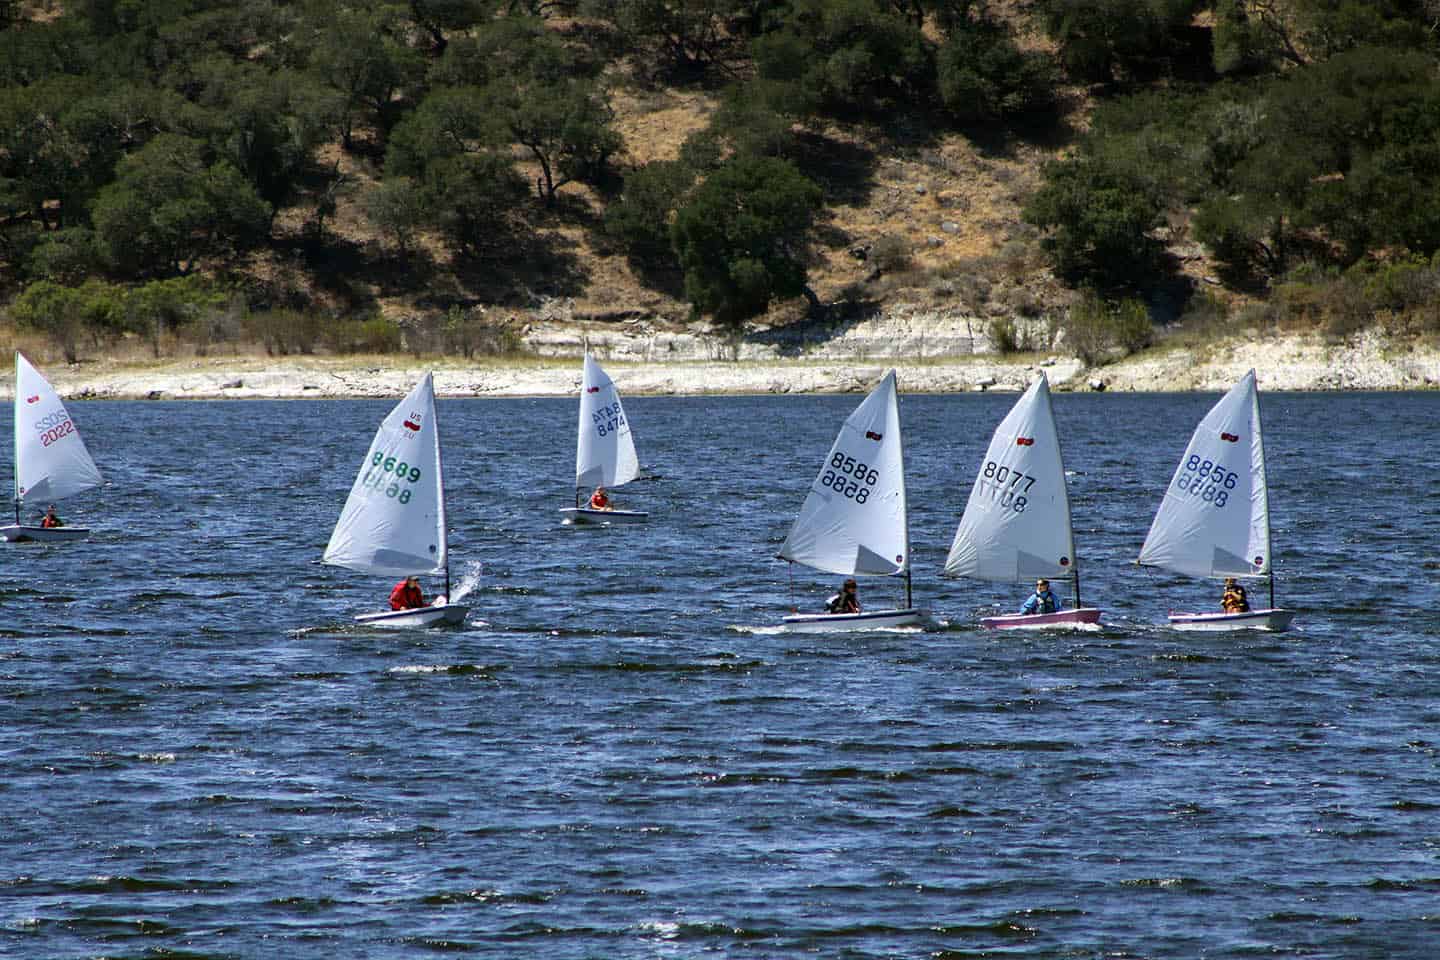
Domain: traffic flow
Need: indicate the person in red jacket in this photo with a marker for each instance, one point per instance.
(407, 595)
(599, 500)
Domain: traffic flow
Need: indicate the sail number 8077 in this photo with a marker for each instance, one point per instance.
(1006, 486)
(1207, 480)
(849, 477)
(398, 472)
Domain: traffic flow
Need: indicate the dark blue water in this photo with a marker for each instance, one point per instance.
(617, 758)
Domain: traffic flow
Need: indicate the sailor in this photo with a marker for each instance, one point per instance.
(599, 500)
(1233, 600)
(845, 601)
(1042, 600)
(407, 595)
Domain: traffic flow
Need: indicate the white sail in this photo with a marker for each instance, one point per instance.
(1215, 518)
(1016, 524)
(51, 461)
(605, 450)
(394, 519)
(853, 521)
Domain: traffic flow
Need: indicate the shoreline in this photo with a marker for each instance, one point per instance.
(1295, 363)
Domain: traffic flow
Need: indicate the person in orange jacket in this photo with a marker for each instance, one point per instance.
(407, 595)
(599, 500)
(51, 520)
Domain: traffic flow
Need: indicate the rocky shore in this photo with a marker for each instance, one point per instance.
(930, 354)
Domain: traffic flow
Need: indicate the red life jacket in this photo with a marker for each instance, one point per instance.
(599, 500)
(406, 597)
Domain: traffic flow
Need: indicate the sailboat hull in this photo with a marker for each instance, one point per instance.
(1270, 619)
(442, 616)
(20, 533)
(852, 622)
(1062, 618)
(582, 516)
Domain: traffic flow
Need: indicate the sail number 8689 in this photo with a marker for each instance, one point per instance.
(849, 477)
(399, 471)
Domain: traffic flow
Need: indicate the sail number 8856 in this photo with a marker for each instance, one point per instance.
(849, 477)
(399, 471)
(1207, 480)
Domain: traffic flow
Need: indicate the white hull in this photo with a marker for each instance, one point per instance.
(440, 616)
(582, 516)
(852, 622)
(1272, 619)
(21, 533)
(1063, 618)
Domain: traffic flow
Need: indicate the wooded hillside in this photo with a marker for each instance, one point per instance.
(329, 175)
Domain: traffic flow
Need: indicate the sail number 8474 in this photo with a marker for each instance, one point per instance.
(607, 419)
(384, 468)
(849, 477)
(1207, 480)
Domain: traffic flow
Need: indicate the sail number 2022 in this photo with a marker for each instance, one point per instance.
(1207, 480)
(398, 472)
(608, 419)
(1006, 486)
(849, 477)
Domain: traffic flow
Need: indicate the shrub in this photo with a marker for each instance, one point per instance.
(1096, 328)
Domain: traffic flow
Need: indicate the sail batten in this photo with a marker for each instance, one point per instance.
(1016, 525)
(604, 449)
(51, 461)
(854, 520)
(393, 521)
(1214, 520)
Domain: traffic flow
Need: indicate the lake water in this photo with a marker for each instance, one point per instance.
(619, 757)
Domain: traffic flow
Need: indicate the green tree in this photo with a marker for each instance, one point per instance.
(169, 206)
(396, 206)
(362, 55)
(1103, 40)
(1099, 222)
(848, 55)
(742, 238)
(475, 197)
(982, 73)
(565, 124)
(639, 219)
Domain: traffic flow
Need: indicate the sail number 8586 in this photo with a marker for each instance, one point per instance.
(399, 472)
(1207, 480)
(849, 477)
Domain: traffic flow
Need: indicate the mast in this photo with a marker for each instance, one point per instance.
(904, 497)
(1265, 478)
(15, 460)
(440, 487)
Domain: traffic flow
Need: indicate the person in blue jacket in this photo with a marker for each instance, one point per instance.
(1041, 601)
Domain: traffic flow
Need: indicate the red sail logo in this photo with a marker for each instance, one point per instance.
(34, 399)
(1025, 441)
(412, 425)
(1229, 437)
(872, 435)
(592, 389)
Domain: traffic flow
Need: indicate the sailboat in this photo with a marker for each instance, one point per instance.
(51, 461)
(393, 523)
(1214, 520)
(853, 521)
(1016, 525)
(604, 449)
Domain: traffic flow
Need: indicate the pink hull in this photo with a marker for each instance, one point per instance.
(1064, 617)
